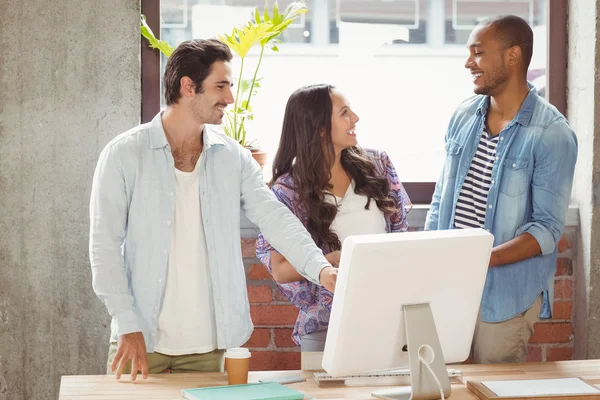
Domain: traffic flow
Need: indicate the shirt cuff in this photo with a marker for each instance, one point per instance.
(541, 234)
(313, 272)
(126, 322)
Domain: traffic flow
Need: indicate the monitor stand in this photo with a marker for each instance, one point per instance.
(428, 373)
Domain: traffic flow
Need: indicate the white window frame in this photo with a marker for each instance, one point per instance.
(456, 26)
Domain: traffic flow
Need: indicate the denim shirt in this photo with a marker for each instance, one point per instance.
(132, 207)
(530, 192)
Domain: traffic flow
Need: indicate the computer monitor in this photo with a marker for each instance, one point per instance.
(387, 283)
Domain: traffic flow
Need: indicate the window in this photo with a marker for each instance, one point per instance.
(400, 63)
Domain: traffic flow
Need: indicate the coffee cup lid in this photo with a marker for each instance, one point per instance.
(238, 352)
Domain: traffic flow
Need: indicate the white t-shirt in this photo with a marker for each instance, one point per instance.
(186, 324)
(353, 219)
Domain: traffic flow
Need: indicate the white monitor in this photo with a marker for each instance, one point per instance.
(379, 274)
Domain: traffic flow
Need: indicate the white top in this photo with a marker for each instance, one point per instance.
(186, 323)
(352, 218)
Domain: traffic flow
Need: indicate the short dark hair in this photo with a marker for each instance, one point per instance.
(513, 31)
(194, 59)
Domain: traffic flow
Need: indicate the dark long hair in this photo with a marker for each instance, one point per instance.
(308, 157)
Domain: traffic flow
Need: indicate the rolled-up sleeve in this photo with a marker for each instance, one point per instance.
(398, 220)
(554, 165)
(108, 222)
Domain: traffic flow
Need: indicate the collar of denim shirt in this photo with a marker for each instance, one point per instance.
(524, 115)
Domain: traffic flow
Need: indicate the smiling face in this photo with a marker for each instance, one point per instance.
(209, 104)
(343, 122)
(487, 61)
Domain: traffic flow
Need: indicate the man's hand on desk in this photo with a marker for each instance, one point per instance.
(328, 278)
(131, 346)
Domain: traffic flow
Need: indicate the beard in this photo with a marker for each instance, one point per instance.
(492, 82)
(204, 113)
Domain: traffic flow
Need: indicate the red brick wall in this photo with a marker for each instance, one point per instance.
(274, 317)
(553, 339)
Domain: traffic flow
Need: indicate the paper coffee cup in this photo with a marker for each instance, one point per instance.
(237, 363)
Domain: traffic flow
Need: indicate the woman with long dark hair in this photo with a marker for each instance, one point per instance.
(335, 188)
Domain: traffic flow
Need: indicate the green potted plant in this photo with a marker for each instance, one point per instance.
(263, 31)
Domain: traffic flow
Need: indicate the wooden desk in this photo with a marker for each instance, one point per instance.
(168, 386)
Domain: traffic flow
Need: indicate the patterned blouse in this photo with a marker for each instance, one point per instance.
(314, 302)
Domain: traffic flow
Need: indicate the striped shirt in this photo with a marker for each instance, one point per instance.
(472, 200)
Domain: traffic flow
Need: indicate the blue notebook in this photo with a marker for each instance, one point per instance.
(252, 391)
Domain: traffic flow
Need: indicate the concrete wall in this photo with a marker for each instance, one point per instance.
(69, 81)
(584, 113)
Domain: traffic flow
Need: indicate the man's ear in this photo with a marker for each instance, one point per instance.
(514, 55)
(187, 87)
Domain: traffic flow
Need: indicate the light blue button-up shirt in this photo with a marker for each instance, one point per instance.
(132, 204)
(530, 192)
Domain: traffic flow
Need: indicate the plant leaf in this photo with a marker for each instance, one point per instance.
(257, 16)
(275, 11)
(242, 39)
(247, 84)
(246, 107)
(282, 21)
(155, 43)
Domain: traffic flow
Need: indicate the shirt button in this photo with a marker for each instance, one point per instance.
(493, 181)
(159, 281)
(164, 252)
(514, 165)
(497, 158)
(168, 222)
(501, 137)
(490, 206)
(172, 193)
